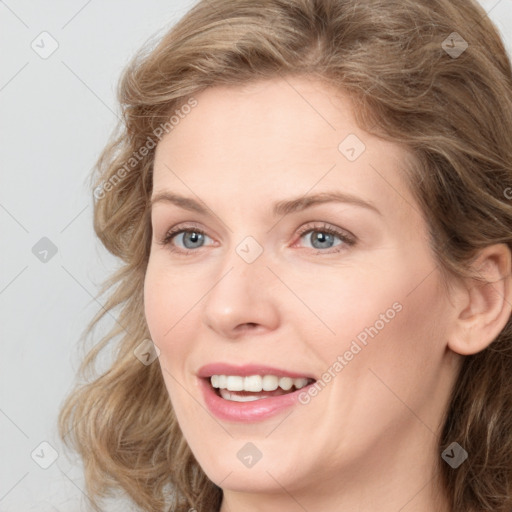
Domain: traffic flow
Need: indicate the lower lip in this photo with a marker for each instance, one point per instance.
(255, 410)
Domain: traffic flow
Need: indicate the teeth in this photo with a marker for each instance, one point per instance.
(253, 383)
(285, 383)
(227, 395)
(270, 383)
(235, 383)
(300, 383)
(256, 383)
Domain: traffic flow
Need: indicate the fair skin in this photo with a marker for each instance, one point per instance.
(368, 440)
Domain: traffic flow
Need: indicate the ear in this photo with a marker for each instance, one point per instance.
(483, 305)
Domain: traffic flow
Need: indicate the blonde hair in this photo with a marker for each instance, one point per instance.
(453, 112)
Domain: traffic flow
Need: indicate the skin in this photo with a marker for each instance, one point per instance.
(368, 440)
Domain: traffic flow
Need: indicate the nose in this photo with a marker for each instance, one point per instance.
(243, 298)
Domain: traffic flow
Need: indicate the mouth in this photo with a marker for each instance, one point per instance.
(251, 392)
(238, 388)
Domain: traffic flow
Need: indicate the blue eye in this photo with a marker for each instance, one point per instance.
(327, 237)
(191, 238)
(322, 238)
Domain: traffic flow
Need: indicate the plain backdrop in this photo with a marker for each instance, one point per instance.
(60, 63)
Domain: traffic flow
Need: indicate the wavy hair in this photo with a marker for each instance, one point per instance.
(454, 112)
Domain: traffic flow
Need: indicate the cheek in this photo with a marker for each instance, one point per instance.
(350, 304)
(166, 316)
(168, 300)
(393, 321)
(394, 359)
(156, 303)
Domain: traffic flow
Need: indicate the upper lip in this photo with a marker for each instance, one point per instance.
(246, 370)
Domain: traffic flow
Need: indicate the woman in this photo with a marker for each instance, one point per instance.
(310, 202)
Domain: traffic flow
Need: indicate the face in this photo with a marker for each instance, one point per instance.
(298, 253)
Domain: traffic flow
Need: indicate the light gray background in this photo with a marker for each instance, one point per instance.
(56, 115)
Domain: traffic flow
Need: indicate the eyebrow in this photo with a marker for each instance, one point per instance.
(283, 207)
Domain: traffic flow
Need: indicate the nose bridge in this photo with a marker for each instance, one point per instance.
(242, 273)
(241, 293)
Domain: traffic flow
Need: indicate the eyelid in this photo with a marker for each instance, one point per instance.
(174, 231)
(346, 237)
(325, 226)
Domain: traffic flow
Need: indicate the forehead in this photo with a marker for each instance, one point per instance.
(277, 138)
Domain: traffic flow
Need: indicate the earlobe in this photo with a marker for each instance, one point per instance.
(485, 303)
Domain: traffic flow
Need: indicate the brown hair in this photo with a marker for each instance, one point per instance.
(454, 112)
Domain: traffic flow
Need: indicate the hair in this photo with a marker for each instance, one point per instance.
(454, 114)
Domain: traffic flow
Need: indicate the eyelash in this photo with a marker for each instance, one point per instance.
(346, 239)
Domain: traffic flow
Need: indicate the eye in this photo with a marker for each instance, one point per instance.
(326, 237)
(321, 237)
(185, 239)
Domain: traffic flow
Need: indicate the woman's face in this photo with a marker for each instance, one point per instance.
(297, 252)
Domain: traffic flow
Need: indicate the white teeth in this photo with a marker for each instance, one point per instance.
(285, 383)
(300, 383)
(227, 395)
(270, 383)
(256, 383)
(253, 383)
(235, 383)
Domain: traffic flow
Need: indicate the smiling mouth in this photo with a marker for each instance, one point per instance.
(255, 387)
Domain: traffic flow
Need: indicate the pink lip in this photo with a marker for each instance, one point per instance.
(256, 410)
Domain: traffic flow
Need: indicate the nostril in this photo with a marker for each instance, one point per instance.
(249, 326)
